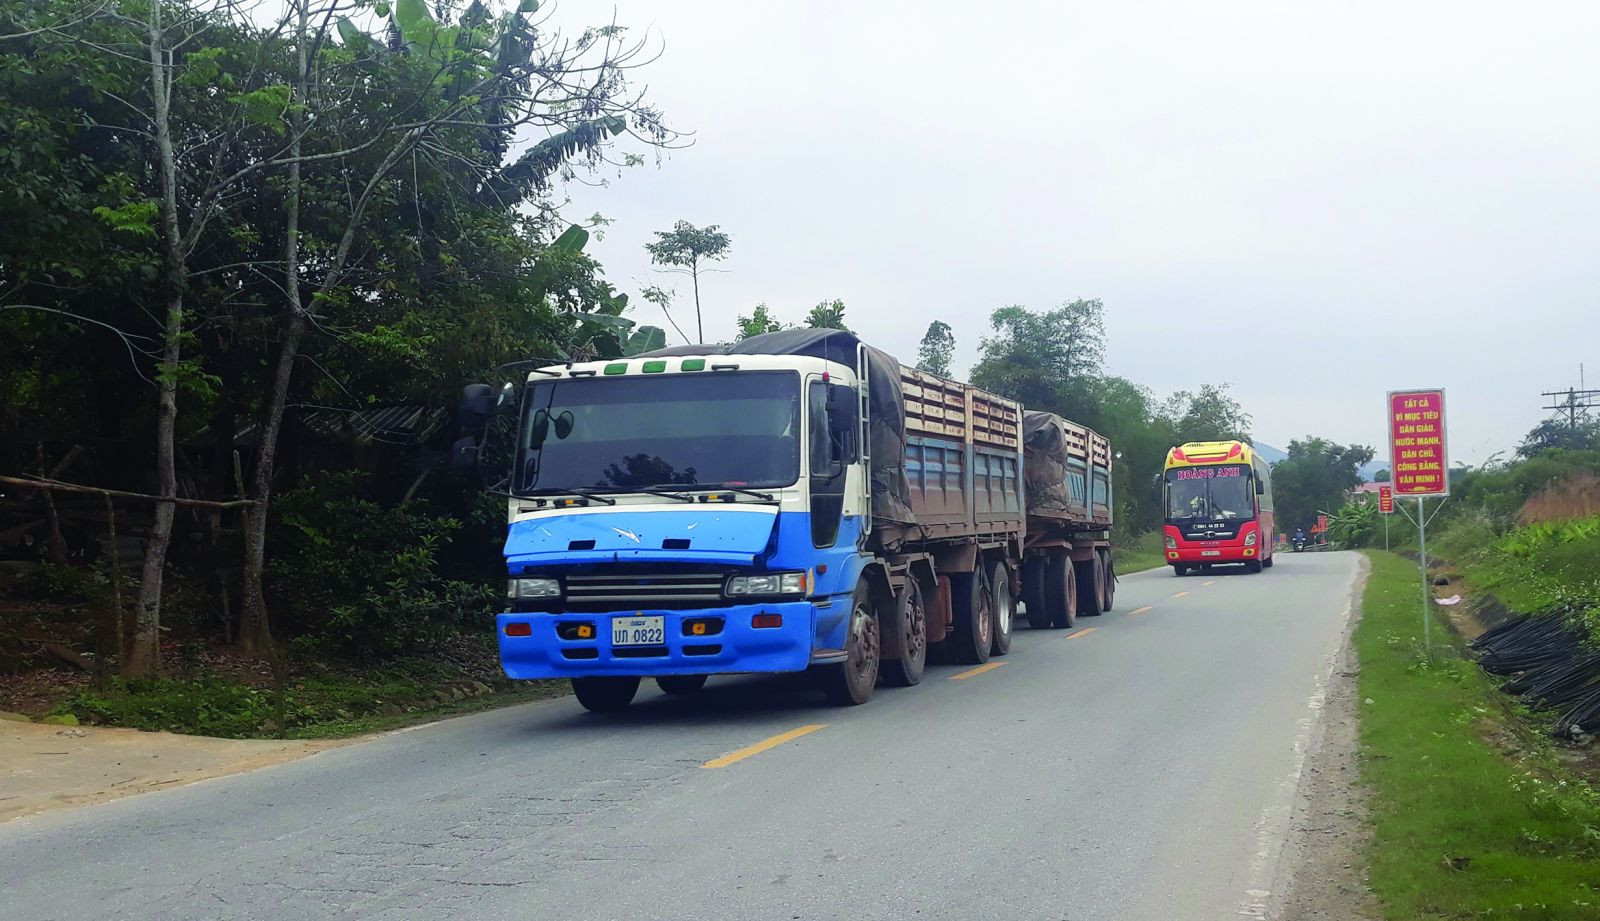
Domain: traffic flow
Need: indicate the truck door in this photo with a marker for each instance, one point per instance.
(831, 411)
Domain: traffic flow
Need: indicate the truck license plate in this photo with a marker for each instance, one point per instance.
(638, 631)
(1211, 553)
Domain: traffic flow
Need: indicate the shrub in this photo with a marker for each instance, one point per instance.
(361, 578)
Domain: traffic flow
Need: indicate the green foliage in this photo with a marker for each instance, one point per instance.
(759, 321)
(687, 246)
(937, 348)
(827, 315)
(1441, 790)
(1045, 360)
(1315, 477)
(1210, 414)
(362, 578)
(1561, 434)
(1356, 524)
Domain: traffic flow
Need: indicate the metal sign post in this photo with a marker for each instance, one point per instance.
(1419, 468)
(1386, 509)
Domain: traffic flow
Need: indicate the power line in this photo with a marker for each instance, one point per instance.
(1574, 401)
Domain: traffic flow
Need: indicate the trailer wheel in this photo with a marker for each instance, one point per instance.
(911, 620)
(1004, 607)
(1091, 587)
(974, 623)
(1033, 593)
(1061, 590)
(605, 695)
(1111, 579)
(680, 684)
(851, 681)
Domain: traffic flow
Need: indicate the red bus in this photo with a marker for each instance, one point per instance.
(1218, 500)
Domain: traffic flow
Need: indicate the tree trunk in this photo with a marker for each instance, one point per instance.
(144, 658)
(699, 324)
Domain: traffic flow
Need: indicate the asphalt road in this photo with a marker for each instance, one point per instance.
(1142, 767)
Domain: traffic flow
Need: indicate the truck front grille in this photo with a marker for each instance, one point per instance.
(616, 591)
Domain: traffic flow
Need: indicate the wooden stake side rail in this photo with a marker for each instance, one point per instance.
(946, 409)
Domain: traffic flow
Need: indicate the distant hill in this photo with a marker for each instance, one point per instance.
(1272, 455)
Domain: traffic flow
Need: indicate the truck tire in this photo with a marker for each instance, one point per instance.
(605, 695)
(1003, 606)
(1061, 590)
(1033, 578)
(850, 682)
(680, 684)
(974, 623)
(1111, 579)
(911, 620)
(1091, 587)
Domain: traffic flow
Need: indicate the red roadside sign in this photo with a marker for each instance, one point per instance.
(1386, 500)
(1418, 460)
(1322, 524)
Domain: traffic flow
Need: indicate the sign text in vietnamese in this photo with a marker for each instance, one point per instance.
(1386, 500)
(1418, 462)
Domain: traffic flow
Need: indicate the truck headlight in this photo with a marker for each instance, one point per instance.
(1250, 539)
(522, 589)
(776, 583)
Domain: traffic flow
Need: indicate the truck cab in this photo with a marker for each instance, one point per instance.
(682, 516)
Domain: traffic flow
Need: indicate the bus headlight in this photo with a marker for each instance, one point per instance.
(1251, 538)
(524, 589)
(776, 583)
(1172, 542)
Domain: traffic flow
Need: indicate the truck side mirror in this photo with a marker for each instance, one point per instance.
(475, 409)
(464, 454)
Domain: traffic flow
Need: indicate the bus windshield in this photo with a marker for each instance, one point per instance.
(637, 432)
(1223, 491)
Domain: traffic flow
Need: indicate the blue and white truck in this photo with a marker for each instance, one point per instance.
(796, 501)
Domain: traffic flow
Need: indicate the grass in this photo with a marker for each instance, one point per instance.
(318, 702)
(1141, 553)
(1475, 816)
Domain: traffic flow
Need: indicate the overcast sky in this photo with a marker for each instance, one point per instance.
(1314, 203)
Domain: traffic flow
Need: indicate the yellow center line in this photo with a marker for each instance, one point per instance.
(975, 672)
(1180, 594)
(1139, 611)
(1084, 632)
(1212, 582)
(763, 745)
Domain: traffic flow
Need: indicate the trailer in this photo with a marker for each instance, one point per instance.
(796, 501)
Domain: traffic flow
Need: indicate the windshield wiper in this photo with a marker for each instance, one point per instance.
(660, 490)
(740, 489)
(569, 490)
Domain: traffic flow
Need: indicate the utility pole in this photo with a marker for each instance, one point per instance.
(1574, 401)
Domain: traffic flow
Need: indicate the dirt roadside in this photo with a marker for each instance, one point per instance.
(51, 767)
(1330, 832)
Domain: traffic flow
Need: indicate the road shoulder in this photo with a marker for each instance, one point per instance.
(53, 767)
(1324, 875)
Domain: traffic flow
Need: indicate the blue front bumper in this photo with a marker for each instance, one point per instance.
(739, 647)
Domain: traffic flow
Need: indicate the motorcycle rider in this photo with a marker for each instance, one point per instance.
(1299, 537)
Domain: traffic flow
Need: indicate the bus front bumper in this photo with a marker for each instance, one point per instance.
(553, 645)
(1192, 555)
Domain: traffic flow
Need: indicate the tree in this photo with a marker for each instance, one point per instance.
(687, 248)
(759, 321)
(1210, 414)
(1044, 360)
(937, 349)
(1314, 478)
(827, 315)
(1382, 476)
(1552, 434)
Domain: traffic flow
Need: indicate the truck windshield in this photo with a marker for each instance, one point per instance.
(679, 430)
(1216, 492)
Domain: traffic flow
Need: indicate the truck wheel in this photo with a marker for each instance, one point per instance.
(1110, 566)
(851, 681)
(1091, 587)
(1033, 579)
(605, 695)
(905, 669)
(1061, 590)
(680, 684)
(1004, 606)
(974, 623)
